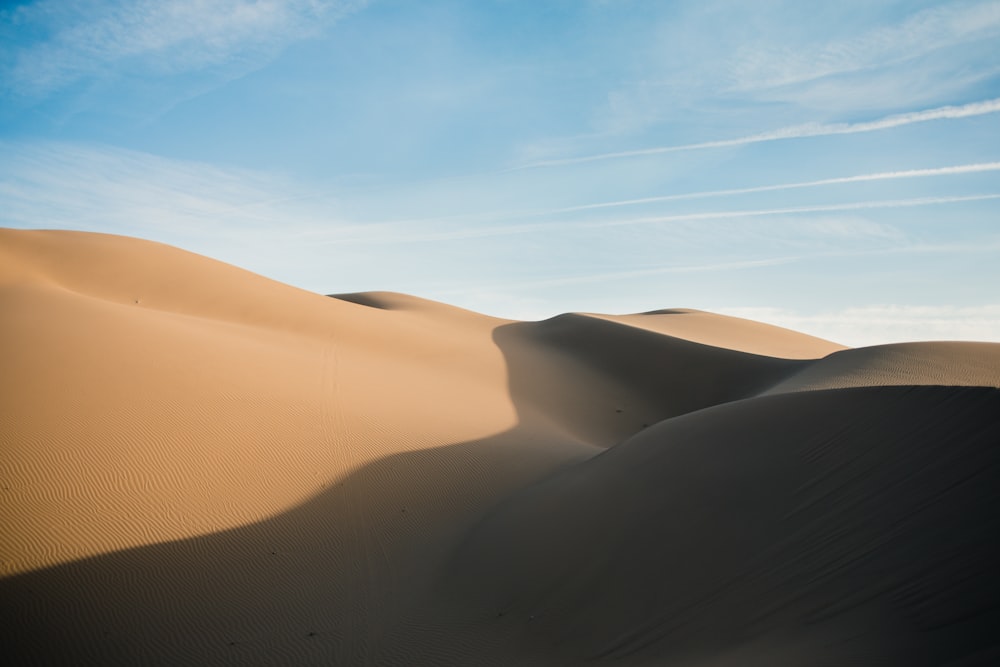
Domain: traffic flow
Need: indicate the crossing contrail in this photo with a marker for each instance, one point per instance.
(793, 132)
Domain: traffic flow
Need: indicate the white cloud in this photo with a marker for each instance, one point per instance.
(769, 66)
(803, 241)
(256, 220)
(242, 216)
(780, 62)
(603, 277)
(878, 324)
(74, 186)
(516, 214)
(793, 132)
(822, 208)
(881, 176)
(431, 230)
(91, 39)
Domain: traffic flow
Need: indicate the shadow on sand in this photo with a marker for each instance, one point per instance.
(346, 578)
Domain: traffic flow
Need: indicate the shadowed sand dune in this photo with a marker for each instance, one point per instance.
(851, 527)
(202, 466)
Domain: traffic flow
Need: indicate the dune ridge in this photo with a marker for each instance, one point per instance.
(199, 465)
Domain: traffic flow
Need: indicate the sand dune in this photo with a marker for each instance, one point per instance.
(199, 465)
(953, 364)
(732, 333)
(739, 533)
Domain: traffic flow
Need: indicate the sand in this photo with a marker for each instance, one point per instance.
(199, 465)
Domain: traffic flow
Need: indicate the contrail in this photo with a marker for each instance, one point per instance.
(725, 266)
(881, 176)
(793, 132)
(528, 228)
(705, 194)
(850, 206)
(639, 273)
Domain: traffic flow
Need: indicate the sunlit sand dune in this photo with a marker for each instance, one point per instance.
(199, 465)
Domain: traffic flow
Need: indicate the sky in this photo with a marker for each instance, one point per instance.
(829, 167)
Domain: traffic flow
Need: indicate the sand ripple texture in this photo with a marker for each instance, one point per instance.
(202, 466)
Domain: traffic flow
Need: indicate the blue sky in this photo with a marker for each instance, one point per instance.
(832, 167)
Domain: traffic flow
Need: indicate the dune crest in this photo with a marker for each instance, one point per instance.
(733, 333)
(199, 465)
(953, 364)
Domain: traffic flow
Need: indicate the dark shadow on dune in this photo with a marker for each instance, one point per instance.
(647, 376)
(853, 526)
(293, 589)
(370, 299)
(670, 311)
(314, 586)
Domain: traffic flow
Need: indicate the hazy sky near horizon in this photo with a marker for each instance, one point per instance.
(832, 167)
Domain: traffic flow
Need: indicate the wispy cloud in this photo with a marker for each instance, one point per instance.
(247, 217)
(516, 214)
(770, 65)
(861, 178)
(428, 231)
(75, 186)
(822, 208)
(792, 132)
(50, 44)
(605, 276)
(763, 314)
(826, 63)
(88, 187)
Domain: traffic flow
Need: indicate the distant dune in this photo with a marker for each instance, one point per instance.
(201, 466)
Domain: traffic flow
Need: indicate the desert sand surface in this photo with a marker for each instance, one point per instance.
(201, 466)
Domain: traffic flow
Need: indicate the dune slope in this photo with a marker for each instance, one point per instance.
(199, 465)
(847, 527)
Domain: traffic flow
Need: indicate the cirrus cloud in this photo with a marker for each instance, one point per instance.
(51, 44)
